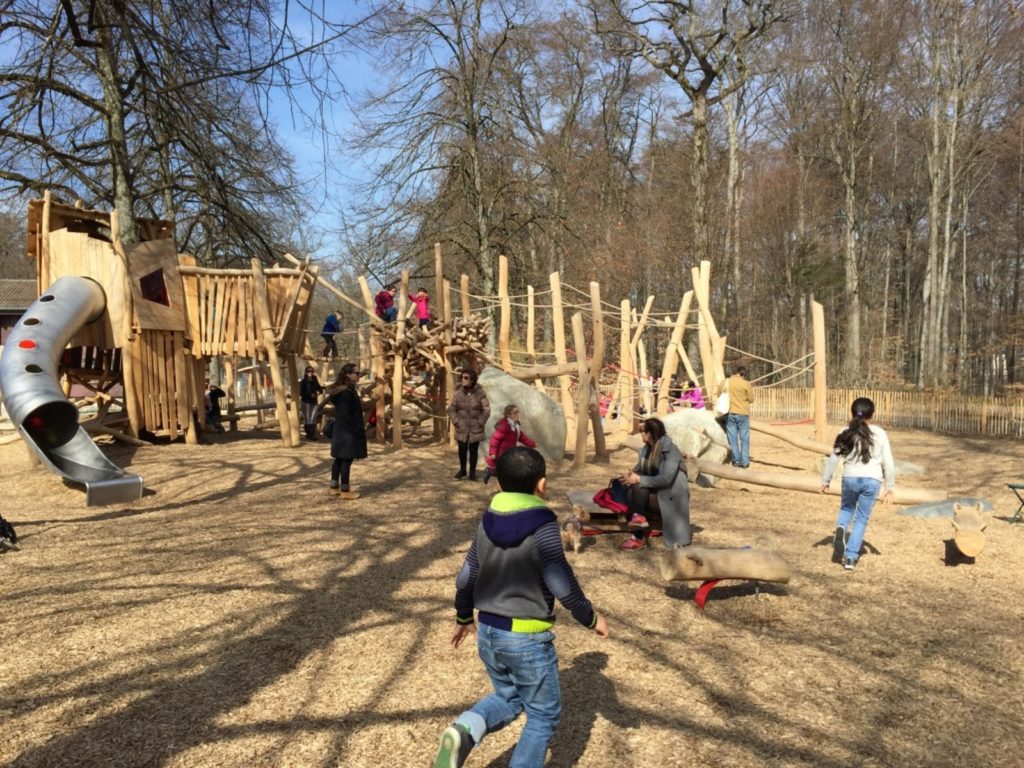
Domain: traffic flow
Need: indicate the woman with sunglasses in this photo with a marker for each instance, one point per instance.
(309, 390)
(469, 411)
(658, 483)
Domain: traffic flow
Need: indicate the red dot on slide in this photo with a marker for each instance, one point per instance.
(27, 344)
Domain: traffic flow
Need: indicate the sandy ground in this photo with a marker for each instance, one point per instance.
(238, 615)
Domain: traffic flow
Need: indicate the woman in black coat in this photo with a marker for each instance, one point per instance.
(348, 440)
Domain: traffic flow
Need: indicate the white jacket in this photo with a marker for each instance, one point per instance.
(879, 465)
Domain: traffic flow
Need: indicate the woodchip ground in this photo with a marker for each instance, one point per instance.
(240, 616)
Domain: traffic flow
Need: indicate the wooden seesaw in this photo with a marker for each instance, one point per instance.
(711, 566)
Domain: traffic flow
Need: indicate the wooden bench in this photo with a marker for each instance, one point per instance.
(607, 521)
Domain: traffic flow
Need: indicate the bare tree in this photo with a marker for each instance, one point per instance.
(693, 44)
(155, 108)
(432, 126)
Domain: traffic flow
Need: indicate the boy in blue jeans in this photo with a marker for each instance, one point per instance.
(514, 570)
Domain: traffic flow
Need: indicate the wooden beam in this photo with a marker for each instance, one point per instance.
(464, 290)
(668, 369)
(341, 295)
(808, 445)
(820, 380)
(558, 333)
(582, 392)
(448, 382)
(903, 495)
(506, 314)
(399, 367)
(626, 373)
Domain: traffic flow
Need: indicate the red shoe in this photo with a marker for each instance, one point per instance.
(633, 544)
(638, 520)
(588, 531)
(655, 534)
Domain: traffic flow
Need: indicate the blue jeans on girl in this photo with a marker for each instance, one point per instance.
(523, 668)
(858, 499)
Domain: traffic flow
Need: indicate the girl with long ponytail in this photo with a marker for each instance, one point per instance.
(865, 449)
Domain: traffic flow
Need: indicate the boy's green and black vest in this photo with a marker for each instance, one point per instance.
(509, 592)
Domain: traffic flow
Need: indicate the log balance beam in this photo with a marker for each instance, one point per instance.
(711, 566)
(704, 563)
(902, 495)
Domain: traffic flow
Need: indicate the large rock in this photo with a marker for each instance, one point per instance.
(540, 416)
(696, 432)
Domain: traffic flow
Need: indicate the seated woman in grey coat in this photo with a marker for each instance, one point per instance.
(658, 483)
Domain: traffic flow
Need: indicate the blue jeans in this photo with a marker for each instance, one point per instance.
(737, 428)
(524, 671)
(857, 501)
(390, 314)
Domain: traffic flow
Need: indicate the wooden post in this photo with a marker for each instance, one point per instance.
(464, 289)
(582, 393)
(438, 278)
(399, 366)
(506, 313)
(259, 293)
(645, 385)
(295, 413)
(364, 349)
(43, 269)
(229, 383)
(184, 406)
(625, 391)
(668, 370)
(131, 360)
(596, 367)
(707, 363)
(638, 362)
(558, 333)
(376, 364)
(449, 371)
(531, 331)
(820, 380)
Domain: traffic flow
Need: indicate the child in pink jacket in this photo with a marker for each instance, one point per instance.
(422, 302)
(507, 433)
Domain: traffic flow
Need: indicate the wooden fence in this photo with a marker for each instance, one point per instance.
(936, 411)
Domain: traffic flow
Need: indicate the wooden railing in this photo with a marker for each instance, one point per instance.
(936, 411)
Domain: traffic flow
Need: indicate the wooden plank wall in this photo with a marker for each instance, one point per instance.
(222, 317)
(948, 412)
(75, 253)
(161, 381)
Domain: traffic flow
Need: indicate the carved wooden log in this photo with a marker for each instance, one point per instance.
(902, 495)
(969, 524)
(703, 563)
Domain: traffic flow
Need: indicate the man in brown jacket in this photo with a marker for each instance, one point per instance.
(737, 424)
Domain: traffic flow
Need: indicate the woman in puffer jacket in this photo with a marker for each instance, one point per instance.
(469, 411)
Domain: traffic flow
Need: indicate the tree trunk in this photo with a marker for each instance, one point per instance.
(699, 177)
(123, 194)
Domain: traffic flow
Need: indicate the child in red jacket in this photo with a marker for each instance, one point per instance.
(507, 433)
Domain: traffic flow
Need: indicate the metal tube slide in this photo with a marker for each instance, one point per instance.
(30, 385)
